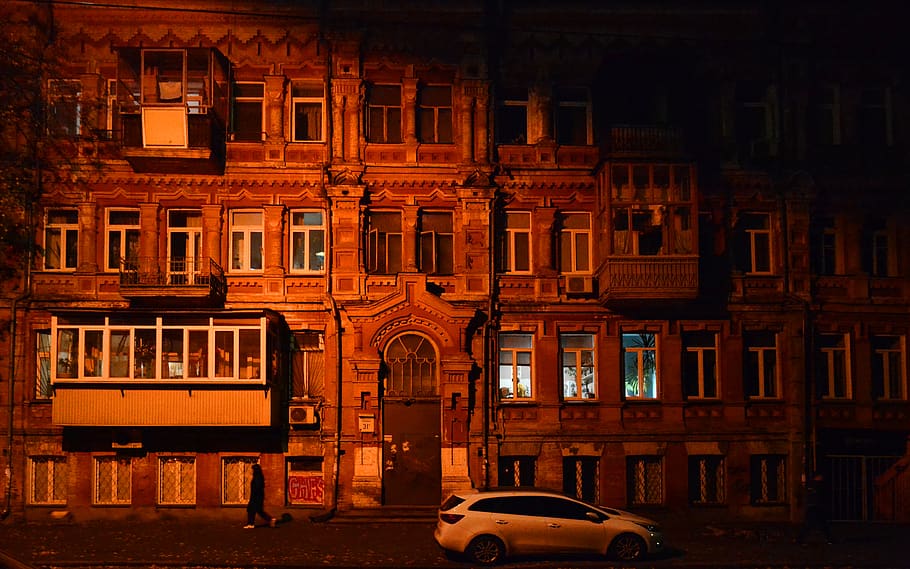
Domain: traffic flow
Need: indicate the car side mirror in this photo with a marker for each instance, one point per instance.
(593, 517)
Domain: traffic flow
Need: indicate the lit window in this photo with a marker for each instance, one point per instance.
(434, 114)
(578, 379)
(640, 365)
(515, 366)
(48, 480)
(384, 114)
(176, 480)
(112, 480)
(246, 240)
(706, 480)
(306, 111)
(833, 367)
(61, 239)
(575, 243)
(307, 241)
(236, 474)
(700, 365)
(760, 365)
(768, 481)
(644, 479)
(515, 248)
(308, 365)
(437, 239)
(249, 110)
(888, 365)
(122, 239)
(581, 478)
(384, 247)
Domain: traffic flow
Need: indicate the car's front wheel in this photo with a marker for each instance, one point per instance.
(628, 547)
(486, 550)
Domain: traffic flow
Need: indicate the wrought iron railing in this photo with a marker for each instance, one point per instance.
(172, 272)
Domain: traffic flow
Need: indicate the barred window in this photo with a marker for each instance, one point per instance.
(517, 470)
(412, 368)
(48, 480)
(236, 474)
(112, 480)
(177, 480)
(768, 484)
(706, 480)
(645, 480)
(581, 478)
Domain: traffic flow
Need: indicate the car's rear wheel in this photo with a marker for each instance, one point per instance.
(486, 550)
(628, 547)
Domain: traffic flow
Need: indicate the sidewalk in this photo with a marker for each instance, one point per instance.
(379, 543)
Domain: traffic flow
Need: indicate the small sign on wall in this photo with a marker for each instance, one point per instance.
(367, 423)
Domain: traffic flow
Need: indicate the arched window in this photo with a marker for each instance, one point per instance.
(411, 362)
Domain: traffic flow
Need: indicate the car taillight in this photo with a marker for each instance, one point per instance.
(450, 518)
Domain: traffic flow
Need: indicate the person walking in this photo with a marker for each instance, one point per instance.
(256, 505)
(816, 510)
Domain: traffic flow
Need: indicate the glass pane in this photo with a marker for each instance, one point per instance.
(145, 350)
(172, 354)
(224, 353)
(92, 362)
(120, 353)
(197, 362)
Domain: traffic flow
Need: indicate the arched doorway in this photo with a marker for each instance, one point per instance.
(411, 469)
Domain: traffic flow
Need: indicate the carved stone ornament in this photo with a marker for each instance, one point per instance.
(478, 178)
(345, 177)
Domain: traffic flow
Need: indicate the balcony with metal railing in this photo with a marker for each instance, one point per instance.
(643, 277)
(186, 277)
(645, 141)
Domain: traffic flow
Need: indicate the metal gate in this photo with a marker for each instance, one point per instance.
(852, 484)
(412, 457)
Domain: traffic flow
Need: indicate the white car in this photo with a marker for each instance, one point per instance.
(489, 525)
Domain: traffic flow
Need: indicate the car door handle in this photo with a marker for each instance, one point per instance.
(502, 522)
(554, 525)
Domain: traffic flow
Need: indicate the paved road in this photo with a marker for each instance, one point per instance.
(391, 543)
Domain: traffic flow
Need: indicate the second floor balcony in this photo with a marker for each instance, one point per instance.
(641, 277)
(186, 277)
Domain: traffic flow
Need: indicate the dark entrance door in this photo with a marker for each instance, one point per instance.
(411, 453)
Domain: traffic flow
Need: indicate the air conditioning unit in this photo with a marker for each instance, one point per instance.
(578, 285)
(302, 415)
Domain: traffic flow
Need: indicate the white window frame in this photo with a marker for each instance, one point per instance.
(887, 358)
(513, 231)
(54, 492)
(511, 373)
(66, 231)
(830, 347)
(702, 353)
(236, 474)
(573, 372)
(249, 100)
(185, 466)
(642, 471)
(243, 252)
(756, 235)
(570, 239)
(382, 240)
(306, 249)
(640, 352)
(117, 463)
(307, 100)
(760, 353)
(123, 231)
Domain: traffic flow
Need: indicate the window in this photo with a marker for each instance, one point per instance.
(639, 351)
(184, 232)
(249, 110)
(384, 114)
(575, 243)
(573, 116)
(64, 113)
(581, 478)
(706, 479)
(515, 246)
(176, 480)
(833, 367)
(700, 365)
(768, 481)
(512, 122)
(434, 114)
(517, 471)
(824, 246)
(637, 231)
(577, 366)
(412, 369)
(236, 473)
(307, 241)
(112, 480)
(888, 367)
(437, 238)
(876, 247)
(112, 112)
(306, 111)
(384, 247)
(308, 365)
(756, 134)
(828, 115)
(48, 480)
(645, 480)
(61, 239)
(43, 364)
(760, 365)
(875, 118)
(515, 366)
(753, 252)
(122, 238)
(246, 240)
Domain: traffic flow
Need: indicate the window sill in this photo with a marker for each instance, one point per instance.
(519, 402)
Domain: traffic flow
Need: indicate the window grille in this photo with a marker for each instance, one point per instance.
(236, 472)
(112, 480)
(177, 481)
(48, 480)
(706, 480)
(645, 480)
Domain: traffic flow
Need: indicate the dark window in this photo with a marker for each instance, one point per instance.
(512, 123)
(516, 470)
(384, 245)
(248, 111)
(384, 114)
(436, 243)
(434, 114)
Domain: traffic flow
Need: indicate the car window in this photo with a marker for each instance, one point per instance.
(451, 502)
(514, 505)
(561, 508)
